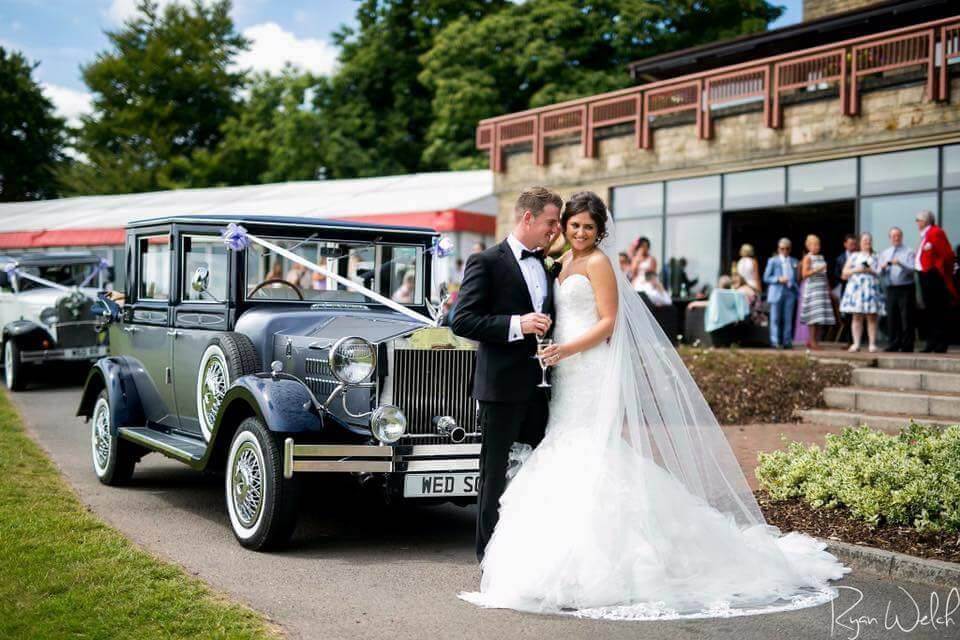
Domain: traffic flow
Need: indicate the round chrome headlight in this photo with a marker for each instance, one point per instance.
(48, 316)
(388, 424)
(352, 360)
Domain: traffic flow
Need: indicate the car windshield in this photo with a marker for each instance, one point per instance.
(69, 275)
(393, 271)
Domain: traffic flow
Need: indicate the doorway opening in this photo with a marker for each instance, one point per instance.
(763, 228)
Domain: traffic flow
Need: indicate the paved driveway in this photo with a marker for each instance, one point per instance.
(356, 570)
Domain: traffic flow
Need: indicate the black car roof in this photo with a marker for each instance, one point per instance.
(49, 258)
(283, 221)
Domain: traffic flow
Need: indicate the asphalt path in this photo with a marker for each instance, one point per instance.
(356, 569)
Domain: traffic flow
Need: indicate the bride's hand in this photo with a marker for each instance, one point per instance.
(555, 353)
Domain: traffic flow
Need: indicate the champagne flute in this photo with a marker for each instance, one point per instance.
(539, 339)
(541, 346)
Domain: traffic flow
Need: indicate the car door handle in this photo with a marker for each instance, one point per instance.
(174, 333)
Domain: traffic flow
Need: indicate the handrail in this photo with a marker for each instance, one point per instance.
(843, 63)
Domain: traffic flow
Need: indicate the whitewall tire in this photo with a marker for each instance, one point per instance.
(14, 374)
(113, 458)
(213, 380)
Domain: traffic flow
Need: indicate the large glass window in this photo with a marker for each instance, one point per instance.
(637, 201)
(154, 260)
(629, 231)
(396, 272)
(693, 194)
(877, 215)
(693, 247)
(951, 215)
(951, 166)
(902, 171)
(820, 181)
(749, 189)
(210, 253)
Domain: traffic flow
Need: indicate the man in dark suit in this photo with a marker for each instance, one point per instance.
(505, 300)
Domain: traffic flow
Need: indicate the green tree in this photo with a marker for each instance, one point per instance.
(277, 136)
(544, 51)
(31, 136)
(160, 94)
(376, 111)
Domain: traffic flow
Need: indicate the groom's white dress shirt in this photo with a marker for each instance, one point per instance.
(536, 279)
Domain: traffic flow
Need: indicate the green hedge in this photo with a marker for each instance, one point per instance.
(912, 478)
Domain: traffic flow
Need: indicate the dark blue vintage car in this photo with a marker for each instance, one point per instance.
(245, 361)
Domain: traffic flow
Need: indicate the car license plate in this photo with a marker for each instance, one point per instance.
(430, 485)
(86, 352)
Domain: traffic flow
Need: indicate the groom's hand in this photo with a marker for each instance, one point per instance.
(536, 323)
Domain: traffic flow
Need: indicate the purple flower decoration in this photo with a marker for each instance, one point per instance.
(442, 247)
(235, 237)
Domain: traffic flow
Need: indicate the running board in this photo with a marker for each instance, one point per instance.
(183, 448)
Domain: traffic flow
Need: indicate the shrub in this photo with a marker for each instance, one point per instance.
(912, 478)
(743, 387)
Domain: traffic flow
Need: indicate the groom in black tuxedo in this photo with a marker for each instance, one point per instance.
(506, 299)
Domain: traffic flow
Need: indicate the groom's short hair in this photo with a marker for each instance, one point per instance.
(535, 200)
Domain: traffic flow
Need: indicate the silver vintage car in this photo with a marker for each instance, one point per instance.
(46, 312)
(242, 360)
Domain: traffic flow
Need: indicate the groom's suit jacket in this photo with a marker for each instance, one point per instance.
(492, 291)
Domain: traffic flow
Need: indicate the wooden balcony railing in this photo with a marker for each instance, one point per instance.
(928, 47)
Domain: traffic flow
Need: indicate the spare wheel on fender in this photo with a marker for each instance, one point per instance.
(227, 357)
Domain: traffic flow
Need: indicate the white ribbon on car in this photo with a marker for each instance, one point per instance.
(238, 238)
(11, 269)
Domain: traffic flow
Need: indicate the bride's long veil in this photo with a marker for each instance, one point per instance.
(653, 406)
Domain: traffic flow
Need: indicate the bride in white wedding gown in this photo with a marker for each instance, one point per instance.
(633, 507)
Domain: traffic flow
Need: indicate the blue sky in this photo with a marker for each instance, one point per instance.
(63, 34)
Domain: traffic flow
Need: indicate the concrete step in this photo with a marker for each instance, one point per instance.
(888, 422)
(907, 379)
(917, 403)
(925, 362)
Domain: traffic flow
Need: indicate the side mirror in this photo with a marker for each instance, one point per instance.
(201, 280)
(106, 310)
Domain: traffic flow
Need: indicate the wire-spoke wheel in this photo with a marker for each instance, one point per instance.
(113, 458)
(261, 503)
(226, 358)
(14, 374)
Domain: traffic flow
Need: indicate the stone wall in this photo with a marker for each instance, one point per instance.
(891, 119)
(818, 8)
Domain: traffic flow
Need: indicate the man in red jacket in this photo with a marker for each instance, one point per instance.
(934, 264)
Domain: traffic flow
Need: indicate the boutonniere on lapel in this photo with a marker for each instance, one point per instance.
(552, 266)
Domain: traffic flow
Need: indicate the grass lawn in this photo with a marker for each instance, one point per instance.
(65, 574)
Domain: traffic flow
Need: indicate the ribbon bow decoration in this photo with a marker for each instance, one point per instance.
(235, 237)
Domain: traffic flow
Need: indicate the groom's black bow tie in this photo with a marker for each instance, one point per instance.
(538, 254)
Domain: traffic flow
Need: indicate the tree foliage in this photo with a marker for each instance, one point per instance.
(161, 93)
(31, 136)
(544, 51)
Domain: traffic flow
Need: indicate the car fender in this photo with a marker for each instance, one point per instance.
(114, 374)
(284, 405)
(28, 334)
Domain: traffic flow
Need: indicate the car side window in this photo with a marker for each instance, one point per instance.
(209, 253)
(154, 267)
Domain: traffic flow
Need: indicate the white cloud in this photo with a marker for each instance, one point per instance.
(70, 104)
(271, 47)
(120, 11)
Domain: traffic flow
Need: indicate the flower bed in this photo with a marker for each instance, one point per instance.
(745, 387)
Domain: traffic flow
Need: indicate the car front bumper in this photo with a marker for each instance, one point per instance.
(69, 353)
(379, 458)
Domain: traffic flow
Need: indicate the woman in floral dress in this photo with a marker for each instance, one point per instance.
(863, 295)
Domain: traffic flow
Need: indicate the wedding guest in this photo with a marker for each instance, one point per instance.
(624, 263)
(748, 268)
(934, 263)
(816, 309)
(897, 273)
(723, 282)
(780, 276)
(650, 286)
(318, 281)
(276, 271)
(643, 262)
(863, 297)
(740, 285)
(850, 243)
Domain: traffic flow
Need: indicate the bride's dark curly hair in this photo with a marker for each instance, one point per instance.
(586, 202)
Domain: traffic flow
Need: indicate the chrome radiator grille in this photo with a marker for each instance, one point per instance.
(436, 382)
(76, 334)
